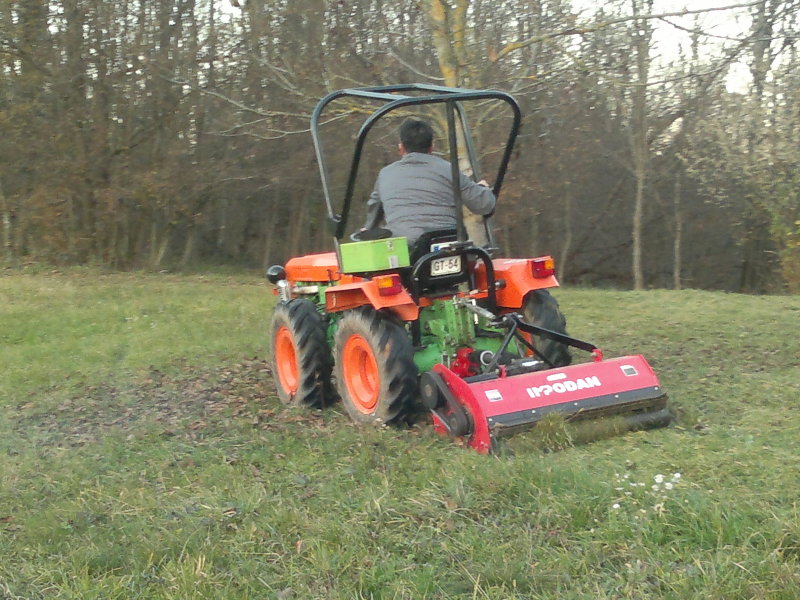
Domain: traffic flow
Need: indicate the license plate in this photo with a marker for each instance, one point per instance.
(445, 266)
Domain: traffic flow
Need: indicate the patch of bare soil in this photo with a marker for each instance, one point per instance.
(192, 404)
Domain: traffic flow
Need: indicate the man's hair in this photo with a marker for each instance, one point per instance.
(416, 135)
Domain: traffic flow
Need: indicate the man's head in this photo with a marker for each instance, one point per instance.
(416, 136)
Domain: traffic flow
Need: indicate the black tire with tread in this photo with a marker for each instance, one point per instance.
(393, 353)
(314, 359)
(541, 309)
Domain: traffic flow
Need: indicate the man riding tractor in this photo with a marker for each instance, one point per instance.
(477, 338)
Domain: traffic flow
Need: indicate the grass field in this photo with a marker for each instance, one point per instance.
(144, 455)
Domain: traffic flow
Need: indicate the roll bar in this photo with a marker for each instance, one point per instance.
(396, 97)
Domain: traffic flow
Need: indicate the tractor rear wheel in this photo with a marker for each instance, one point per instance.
(301, 359)
(375, 372)
(541, 309)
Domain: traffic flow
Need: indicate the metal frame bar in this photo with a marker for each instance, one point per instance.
(394, 97)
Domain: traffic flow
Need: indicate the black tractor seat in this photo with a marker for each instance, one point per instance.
(428, 239)
(427, 283)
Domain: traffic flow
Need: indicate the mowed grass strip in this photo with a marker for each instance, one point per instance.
(145, 456)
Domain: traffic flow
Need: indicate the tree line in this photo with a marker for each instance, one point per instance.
(174, 133)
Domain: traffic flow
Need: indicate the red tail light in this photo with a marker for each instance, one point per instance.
(388, 285)
(543, 267)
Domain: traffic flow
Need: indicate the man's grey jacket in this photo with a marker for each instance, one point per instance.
(415, 195)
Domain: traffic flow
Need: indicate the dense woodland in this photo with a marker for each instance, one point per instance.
(660, 146)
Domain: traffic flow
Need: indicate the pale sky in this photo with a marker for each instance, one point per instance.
(668, 39)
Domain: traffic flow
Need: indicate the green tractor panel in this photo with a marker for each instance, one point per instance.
(477, 339)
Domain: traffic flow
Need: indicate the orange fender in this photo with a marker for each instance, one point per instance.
(313, 267)
(365, 293)
(321, 268)
(517, 273)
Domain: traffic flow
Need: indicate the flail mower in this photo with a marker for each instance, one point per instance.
(477, 339)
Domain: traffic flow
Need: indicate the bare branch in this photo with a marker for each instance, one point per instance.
(276, 134)
(236, 103)
(411, 68)
(698, 31)
(589, 28)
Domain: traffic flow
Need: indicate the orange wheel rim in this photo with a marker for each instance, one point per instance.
(361, 374)
(286, 361)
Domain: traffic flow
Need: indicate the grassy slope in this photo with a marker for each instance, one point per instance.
(144, 456)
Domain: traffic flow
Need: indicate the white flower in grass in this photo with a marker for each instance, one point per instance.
(675, 477)
(615, 506)
(655, 487)
(659, 478)
(668, 485)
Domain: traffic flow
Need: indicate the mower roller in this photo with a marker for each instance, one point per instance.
(474, 337)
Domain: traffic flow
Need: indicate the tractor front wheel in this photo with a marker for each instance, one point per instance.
(301, 359)
(375, 372)
(541, 309)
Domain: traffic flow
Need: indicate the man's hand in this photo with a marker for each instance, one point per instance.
(484, 183)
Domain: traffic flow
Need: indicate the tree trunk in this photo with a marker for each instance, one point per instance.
(449, 26)
(636, 232)
(758, 241)
(78, 116)
(159, 247)
(535, 234)
(188, 247)
(268, 228)
(677, 240)
(5, 215)
(444, 27)
(222, 230)
(567, 247)
(299, 229)
(640, 146)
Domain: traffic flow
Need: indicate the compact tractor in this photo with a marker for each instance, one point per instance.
(477, 340)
